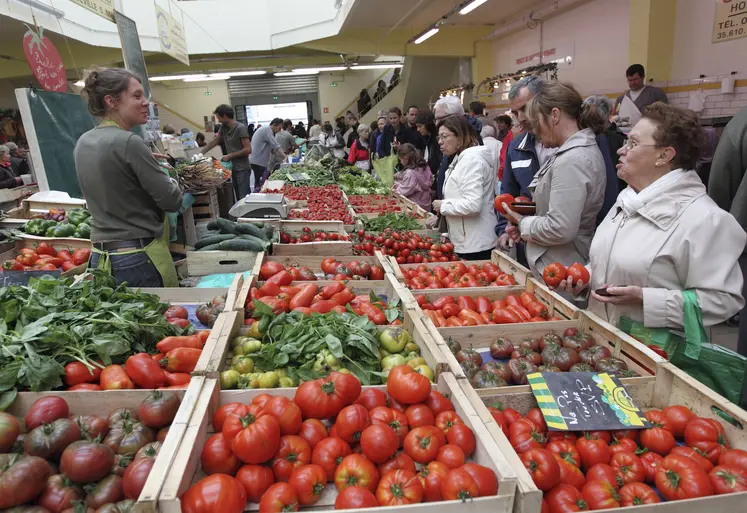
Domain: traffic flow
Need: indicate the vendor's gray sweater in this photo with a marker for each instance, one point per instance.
(126, 190)
(727, 185)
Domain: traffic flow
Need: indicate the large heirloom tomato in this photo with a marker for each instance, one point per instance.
(679, 477)
(256, 479)
(59, 494)
(9, 430)
(309, 482)
(462, 436)
(279, 497)
(708, 436)
(592, 451)
(329, 453)
(355, 497)
(379, 443)
(628, 467)
(570, 473)
(487, 482)
(259, 439)
(286, 412)
(524, 436)
(651, 462)
(600, 495)
(218, 492)
(49, 440)
(407, 386)
(86, 462)
(293, 452)
(325, 397)
(422, 443)
(217, 458)
(728, 479)
(432, 477)
(459, 485)
(565, 498)
(637, 494)
(543, 468)
(392, 418)
(356, 470)
(46, 410)
(351, 422)
(399, 487)
(313, 431)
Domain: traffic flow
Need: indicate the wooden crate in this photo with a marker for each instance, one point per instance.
(671, 386)
(325, 248)
(505, 263)
(203, 263)
(41, 206)
(205, 206)
(102, 403)
(232, 325)
(185, 470)
(57, 244)
(314, 262)
(638, 357)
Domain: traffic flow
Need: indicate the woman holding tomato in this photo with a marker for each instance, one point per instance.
(127, 192)
(569, 188)
(469, 190)
(665, 239)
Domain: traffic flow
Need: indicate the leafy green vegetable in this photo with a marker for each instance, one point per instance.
(52, 322)
(391, 220)
(356, 181)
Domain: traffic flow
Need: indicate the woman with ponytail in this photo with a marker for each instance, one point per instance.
(569, 188)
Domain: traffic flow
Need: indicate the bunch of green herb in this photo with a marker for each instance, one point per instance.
(52, 322)
(395, 221)
(295, 340)
(354, 181)
(319, 176)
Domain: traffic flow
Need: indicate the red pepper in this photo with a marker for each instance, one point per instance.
(170, 343)
(333, 288)
(281, 279)
(466, 303)
(144, 371)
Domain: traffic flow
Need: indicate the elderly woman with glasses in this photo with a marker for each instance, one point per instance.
(664, 235)
(8, 179)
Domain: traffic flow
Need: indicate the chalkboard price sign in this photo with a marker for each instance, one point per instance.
(585, 401)
(9, 278)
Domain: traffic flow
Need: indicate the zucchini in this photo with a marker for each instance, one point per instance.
(250, 229)
(241, 244)
(213, 239)
(211, 247)
(226, 226)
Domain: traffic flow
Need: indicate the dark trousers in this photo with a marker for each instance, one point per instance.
(137, 269)
(479, 255)
(241, 183)
(260, 175)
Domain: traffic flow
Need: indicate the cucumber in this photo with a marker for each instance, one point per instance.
(213, 226)
(265, 243)
(211, 247)
(240, 244)
(250, 229)
(213, 239)
(269, 231)
(226, 226)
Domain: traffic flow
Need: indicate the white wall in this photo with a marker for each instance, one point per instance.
(349, 85)
(598, 33)
(694, 53)
(189, 100)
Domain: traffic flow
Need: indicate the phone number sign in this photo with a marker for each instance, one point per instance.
(730, 21)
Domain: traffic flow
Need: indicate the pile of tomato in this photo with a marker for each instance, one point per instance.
(456, 275)
(170, 367)
(357, 200)
(683, 456)
(573, 352)
(407, 448)
(407, 247)
(322, 203)
(308, 298)
(65, 462)
(311, 236)
(556, 272)
(330, 268)
(45, 258)
(451, 311)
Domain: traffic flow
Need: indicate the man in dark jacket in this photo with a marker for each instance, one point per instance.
(727, 186)
(395, 133)
(19, 162)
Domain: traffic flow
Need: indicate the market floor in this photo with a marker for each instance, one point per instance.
(724, 335)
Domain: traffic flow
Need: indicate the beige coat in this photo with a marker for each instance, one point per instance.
(679, 240)
(569, 191)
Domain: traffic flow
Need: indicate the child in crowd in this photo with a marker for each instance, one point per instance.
(414, 178)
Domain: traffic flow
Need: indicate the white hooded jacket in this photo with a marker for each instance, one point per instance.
(469, 193)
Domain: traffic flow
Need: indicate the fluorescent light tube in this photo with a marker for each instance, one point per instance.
(317, 70)
(432, 32)
(209, 77)
(472, 6)
(176, 77)
(377, 66)
(295, 73)
(246, 73)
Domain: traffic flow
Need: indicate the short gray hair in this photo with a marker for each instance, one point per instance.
(450, 105)
(364, 129)
(602, 103)
(532, 82)
(4, 150)
(11, 146)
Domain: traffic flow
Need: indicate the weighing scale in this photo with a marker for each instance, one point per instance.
(261, 206)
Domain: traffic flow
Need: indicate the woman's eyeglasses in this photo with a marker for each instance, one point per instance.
(631, 144)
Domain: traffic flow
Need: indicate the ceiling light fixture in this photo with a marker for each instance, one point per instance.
(426, 35)
(377, 66)
(217, 76)
(318, 70)
(176, 77)
(246, 73)
(294, 73)
(471, 6)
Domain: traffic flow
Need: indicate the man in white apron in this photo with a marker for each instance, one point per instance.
(629, 107)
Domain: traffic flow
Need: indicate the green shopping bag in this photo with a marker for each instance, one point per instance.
(721, 369)
(384, 168)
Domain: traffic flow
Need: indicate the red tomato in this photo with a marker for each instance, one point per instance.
(355, 497)
(565, 450)
(356, 470)
(379, 442)
(543, 468)
(293, 452)
(329, 453)
(221, 413)
(487, 482)
(400, 461)
(422, 443)
(279, 497)
(592, 451)
(216, 456)
(600, 495)
(523, 436)
(399, 487)
(628, 467)
(309, 482)
(313, 431)
(728, 479)
(565, 498)
(451, 456)
(637, 494)
(445, 420)
(554, 273)
(569, 473)
(651, 462)
(46, 410)
(578, 273)
(351, 422)
(392, 418)
(419, 415)
(462, 436)
(623, 445)
(325, 397)
(407, 386)
(459, 485)
(708, 436)
(255, 479)
(176, 311)
(689, 452)
(218, 492)
(77, 373)
(287, 413)
(371, 398)
(681, 478)
(734, 458)
(258, 441)
(602, 472)
(500, 200)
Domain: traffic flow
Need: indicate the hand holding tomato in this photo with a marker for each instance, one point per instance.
(513, 233)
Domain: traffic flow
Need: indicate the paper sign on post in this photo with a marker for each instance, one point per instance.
(585, 401)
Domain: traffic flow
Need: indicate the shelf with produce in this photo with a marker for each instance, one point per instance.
(586, 330)
(228, 247)
(503, 262)
(670, 387)
(322, 267)
(232, 328)
(69, 246)
(551, 307)
(186, 469)
(162, 421)
(286, 230)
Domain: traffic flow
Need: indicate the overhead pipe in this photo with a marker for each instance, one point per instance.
(532, 16)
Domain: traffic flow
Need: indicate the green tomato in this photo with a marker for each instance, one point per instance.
(254, 331)
(243, 364)
(412, 356)
(229, 379)
(414, 362)
(282, 372)
(392, 361)
(237, 341)
(251, 345)
(392, 340)
(269, 380)
(425, 371)
(412, 347)
(383, 353)
(286, 382)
